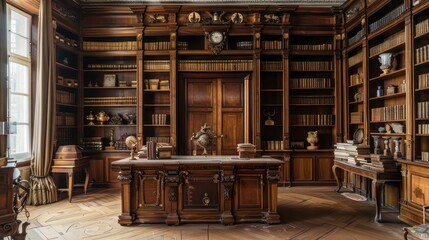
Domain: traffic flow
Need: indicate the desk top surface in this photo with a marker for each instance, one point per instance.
(215, 160)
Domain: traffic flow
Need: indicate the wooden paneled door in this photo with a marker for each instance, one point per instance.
(219, 102)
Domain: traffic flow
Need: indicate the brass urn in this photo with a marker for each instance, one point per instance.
(102, 117)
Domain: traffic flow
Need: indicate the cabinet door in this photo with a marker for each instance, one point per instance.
(302, 168)
(96, 170)
(325, 168)
(249, 192)
(199, 191)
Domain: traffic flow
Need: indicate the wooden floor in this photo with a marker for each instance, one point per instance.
(306, 213)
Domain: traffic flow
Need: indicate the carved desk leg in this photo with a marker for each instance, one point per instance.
(125, 177)
(377, 187)
(273, 178)
(227, 181)
(171, 188)
(337, 174)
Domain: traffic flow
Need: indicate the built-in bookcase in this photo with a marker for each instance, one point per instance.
(421, 85)
(387, 77)
(311, 83)
(109, 89)
(67, 73)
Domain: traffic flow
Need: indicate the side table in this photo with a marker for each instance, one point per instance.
(71, 166)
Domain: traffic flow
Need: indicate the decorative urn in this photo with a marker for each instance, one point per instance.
(312, 139)
(102, 117)
(386, 62)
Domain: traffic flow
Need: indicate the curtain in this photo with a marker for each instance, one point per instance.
(43, 189)
(3, 80)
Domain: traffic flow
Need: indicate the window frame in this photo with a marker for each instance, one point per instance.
(25, 61)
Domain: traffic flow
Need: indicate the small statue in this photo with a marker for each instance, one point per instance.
(312, 139)
(111, 142)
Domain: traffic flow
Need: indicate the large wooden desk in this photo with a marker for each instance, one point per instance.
(198, 189)
(378, 180)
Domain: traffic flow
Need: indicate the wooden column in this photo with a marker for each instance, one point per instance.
(172, 180)
(227, 179)
(125, 177)
(273, 178)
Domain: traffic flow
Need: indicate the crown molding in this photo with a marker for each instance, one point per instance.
(326, 3)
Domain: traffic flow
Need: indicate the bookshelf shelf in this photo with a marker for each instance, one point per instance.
(110, 125)
(106, 88)
(60, 65)
(394, 95)
(389, 121)
(110, 70)
(109, 105)
(422, 89)
(392, 74)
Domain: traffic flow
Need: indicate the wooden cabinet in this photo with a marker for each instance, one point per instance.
(8, 217)
(415, 168)
(311, 168)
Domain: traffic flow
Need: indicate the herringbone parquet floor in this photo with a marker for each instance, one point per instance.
(306, 213)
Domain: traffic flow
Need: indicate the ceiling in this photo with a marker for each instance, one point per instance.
(326, 3)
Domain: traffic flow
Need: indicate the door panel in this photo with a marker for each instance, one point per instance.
(219, 102)
(233, 134)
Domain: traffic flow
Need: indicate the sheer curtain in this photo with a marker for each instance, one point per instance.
(43, 189)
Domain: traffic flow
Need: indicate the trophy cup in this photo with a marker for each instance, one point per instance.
(269, 121)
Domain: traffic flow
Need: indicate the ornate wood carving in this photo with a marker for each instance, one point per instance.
(125, 176)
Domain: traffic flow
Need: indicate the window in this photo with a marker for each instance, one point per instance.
(19, 76)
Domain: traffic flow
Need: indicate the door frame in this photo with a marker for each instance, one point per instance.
(181, 109)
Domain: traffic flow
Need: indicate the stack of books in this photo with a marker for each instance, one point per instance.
(352, 152)
(383, 163)
(246, 150)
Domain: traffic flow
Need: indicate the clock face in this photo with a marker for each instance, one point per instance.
(216, 37)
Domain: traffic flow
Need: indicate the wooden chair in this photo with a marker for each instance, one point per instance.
(420, 231)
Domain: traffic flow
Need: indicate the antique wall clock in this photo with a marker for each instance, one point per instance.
(216, 41)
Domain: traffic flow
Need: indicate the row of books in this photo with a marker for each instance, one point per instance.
(245, 45)
(65, 119)
(92, 143)
(66, 136)
(422, 54)
(356, 79)
(422, 27)
(355, 59)
(358, 36)
(109, 46)
(311, 83)
(159, 119)
(158, 139)
(156, 65)
(387, 18)
(156, 46)
(312, 47)
(215, 65)
(382, 163)
(272, 145)
(65, 97)
(312, 119)
(312, 99)
(182, 45)
(423, 128)
(425, 156)
(110, 100)
(423, 81)
(312, 66)
(59, 38)
(391, 41)
(271, 65)
(271, 45)
(423, 110)
(104, 66)
(396, 112)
